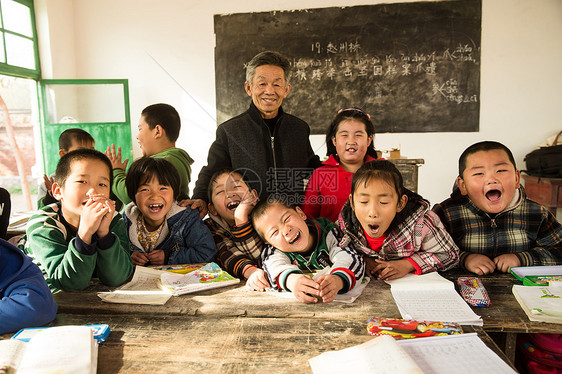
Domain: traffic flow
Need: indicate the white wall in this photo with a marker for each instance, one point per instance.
(166, 50)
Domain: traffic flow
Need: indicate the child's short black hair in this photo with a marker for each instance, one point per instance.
(78, 135)
(164, 115)
(65, 163)
(145, 168)
(347, 114)
(263, 205)
(226, 170)
(387, 171)
(483, 146)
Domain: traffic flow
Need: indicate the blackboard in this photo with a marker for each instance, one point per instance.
(414, 67)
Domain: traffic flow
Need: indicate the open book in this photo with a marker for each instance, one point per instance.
(156, 287)
(430, 297)
(450, 354)
(543, 303)
(63, 349)
(205, 278)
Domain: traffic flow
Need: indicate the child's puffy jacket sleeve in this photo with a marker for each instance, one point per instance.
(437, 250)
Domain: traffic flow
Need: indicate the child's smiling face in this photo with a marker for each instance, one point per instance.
(154, 200)
(375, 204)
(490, 180)
(351, 141)
(285, 228)
(228, 191)
(87, 177)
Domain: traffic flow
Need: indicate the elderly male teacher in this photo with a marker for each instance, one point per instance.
(270, 146)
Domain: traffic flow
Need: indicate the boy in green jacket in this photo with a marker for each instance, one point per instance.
(159, 128)
(81, 235)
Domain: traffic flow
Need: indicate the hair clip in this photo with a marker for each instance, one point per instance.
(354, 109)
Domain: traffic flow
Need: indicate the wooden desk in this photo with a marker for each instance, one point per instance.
(234, 330)
(545, 191)
(172, 344)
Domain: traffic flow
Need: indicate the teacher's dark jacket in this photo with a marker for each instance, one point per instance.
(273, 163)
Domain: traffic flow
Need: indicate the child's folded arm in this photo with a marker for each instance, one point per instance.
(438, 250)
(114, 264)
(345, 258)
(278, 267)
(66, 268)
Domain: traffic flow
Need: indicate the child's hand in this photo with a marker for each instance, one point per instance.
(48, 184)
(303, 287)
(157, 257)
(195, 204)
(115, 158)
(370, 265)
(479, 264)
(330, 285)
(139, 258)
(105, 222)
(505, 262)
(393, 269)
(243, 210)
(257, 279)
(90, 219)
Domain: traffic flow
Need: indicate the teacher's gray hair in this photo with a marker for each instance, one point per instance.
(268, 58)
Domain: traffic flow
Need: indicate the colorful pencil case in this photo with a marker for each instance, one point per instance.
(473, 292)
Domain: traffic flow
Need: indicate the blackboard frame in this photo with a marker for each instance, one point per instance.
(415, 67)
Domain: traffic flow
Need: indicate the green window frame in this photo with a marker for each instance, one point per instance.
(8, 35)
(104, 133)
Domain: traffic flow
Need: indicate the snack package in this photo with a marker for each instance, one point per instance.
(473, 292)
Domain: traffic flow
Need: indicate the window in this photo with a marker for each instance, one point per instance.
(19, 54)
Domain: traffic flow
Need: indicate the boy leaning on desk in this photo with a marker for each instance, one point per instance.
(490, 218)
(81, 234)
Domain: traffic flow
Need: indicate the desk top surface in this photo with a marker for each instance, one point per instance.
(232, 330)
(504, 314)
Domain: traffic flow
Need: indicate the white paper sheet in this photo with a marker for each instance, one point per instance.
(430, 297)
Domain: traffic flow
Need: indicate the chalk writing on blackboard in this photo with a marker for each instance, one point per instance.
(415, 67)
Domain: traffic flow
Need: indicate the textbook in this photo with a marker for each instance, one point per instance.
(205, 278)
(542, 303)
(156, 287)
(63, 349)
(452, 354)
(537, 275)
(180, 269)
(430, 297)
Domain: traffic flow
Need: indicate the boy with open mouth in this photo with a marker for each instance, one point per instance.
(491, 219)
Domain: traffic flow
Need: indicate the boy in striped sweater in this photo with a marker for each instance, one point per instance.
(297, 245)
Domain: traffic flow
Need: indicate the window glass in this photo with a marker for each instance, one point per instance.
(16, 17)
(20, 51)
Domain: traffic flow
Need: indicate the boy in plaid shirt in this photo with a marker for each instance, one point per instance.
(491, 219)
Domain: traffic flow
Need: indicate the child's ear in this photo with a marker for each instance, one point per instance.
(334, 140)
(402, 203)
(300, 213)
(212, 209)
(62, 152)
(517, 178)
(462, 186)
(158, 131)
(351, 202)
(56, 190)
